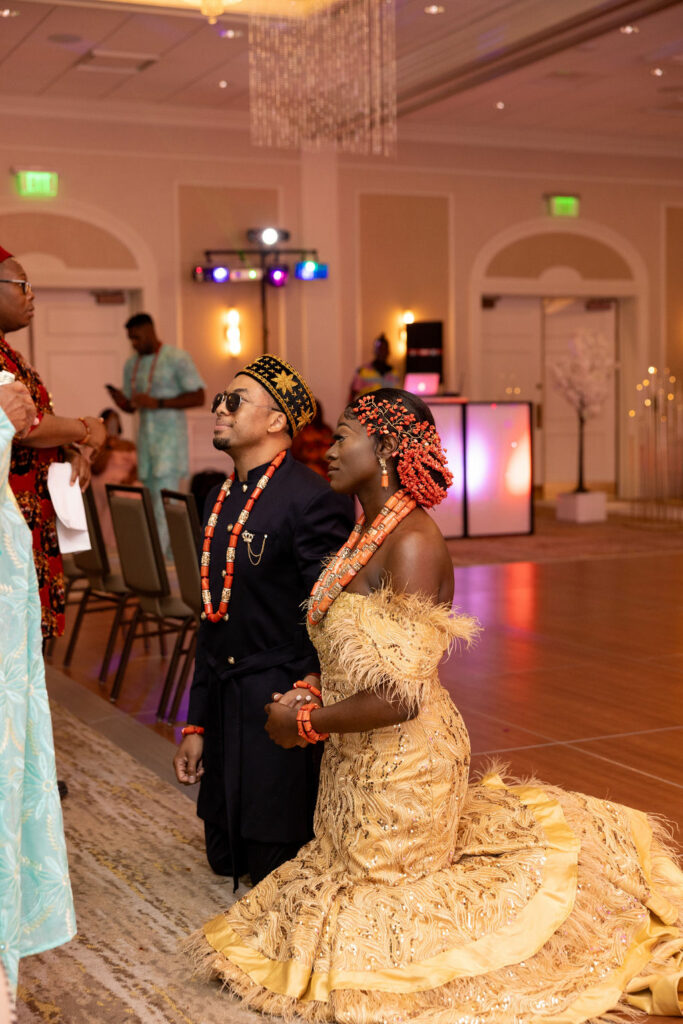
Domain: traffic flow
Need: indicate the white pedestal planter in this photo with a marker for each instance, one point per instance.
(589, 507)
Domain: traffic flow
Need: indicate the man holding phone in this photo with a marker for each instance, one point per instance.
(160, 382)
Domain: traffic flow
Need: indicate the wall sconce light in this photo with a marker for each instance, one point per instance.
(406, 317)
(233, 337)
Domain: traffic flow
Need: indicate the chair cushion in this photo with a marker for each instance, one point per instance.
(114, 583)
(169, 607)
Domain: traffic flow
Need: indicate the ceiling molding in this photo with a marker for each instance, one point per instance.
(125, 112)
(237, 122)
(529, 49)
(444, 134)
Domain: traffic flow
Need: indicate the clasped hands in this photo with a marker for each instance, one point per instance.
(281, 724)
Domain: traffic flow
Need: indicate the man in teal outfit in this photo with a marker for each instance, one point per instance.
(160, 382)
(36, 906)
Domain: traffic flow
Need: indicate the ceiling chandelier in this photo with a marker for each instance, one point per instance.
(322, 73)
(324, 76)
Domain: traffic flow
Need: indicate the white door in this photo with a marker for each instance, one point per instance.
(521, 336)
(511, 359)
(77, 346)
(563, 320)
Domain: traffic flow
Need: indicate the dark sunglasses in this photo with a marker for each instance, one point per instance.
(232, 401)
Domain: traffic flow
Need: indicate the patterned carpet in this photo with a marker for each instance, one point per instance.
(140, 882)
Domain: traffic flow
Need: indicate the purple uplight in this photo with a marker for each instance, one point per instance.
(277, 275)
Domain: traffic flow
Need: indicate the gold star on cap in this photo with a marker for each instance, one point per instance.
(284, 382)
(290, 391)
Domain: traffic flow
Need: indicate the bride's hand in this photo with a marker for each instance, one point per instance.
(294, 698)
(281, 724)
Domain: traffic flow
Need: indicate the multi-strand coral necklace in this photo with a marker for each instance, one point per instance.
(222, 612)
(356, 553)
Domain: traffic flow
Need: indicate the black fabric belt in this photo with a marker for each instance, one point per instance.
(259, 661)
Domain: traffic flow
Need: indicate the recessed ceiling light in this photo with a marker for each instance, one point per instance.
(434, 9)
(223, 84)
(657, 72)
(629, 30)
(230, 33)
(7, 12)
(500, 105)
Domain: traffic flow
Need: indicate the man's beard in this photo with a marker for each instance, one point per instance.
(221, 443)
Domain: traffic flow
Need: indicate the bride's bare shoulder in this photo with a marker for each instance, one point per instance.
(418, 559)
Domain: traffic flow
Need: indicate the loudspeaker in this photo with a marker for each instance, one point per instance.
(424, 347)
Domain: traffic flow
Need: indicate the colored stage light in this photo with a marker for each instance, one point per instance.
(277, 275)
(311, 270)
(246, 274)
(216, 275)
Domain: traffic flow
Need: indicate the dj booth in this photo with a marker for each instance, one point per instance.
(489, 454)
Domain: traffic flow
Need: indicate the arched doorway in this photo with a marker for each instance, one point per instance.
(88, 274)
(532, 287)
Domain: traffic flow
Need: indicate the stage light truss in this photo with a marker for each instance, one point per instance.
(272, 270)
(271, 267)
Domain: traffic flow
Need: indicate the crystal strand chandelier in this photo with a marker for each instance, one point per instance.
(327, 78)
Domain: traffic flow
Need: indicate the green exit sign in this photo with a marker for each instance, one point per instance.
(37, 183)
(562, 206)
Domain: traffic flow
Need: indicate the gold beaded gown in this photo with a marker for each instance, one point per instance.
(428, 898)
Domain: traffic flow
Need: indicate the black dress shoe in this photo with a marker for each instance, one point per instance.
(63, 789)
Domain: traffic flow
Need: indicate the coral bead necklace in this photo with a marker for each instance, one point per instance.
(356, 553)
(222, 613)
(150, 376)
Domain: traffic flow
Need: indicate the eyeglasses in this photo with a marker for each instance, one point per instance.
(233, 400)
(24, 285)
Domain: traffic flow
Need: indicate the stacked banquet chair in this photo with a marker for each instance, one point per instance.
(144, 572)
(103, 588)
(184, 532)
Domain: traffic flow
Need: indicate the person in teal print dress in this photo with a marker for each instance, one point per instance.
(36, 905)
(160, 382)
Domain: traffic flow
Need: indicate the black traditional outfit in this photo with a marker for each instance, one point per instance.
(256, 799)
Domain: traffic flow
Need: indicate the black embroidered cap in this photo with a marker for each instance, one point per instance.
(287, 387)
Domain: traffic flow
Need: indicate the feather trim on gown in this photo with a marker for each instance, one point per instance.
(426, 898)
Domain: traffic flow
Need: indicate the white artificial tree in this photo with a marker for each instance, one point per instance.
(583, 378)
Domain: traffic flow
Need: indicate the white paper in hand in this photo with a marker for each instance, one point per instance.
(72, 526)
